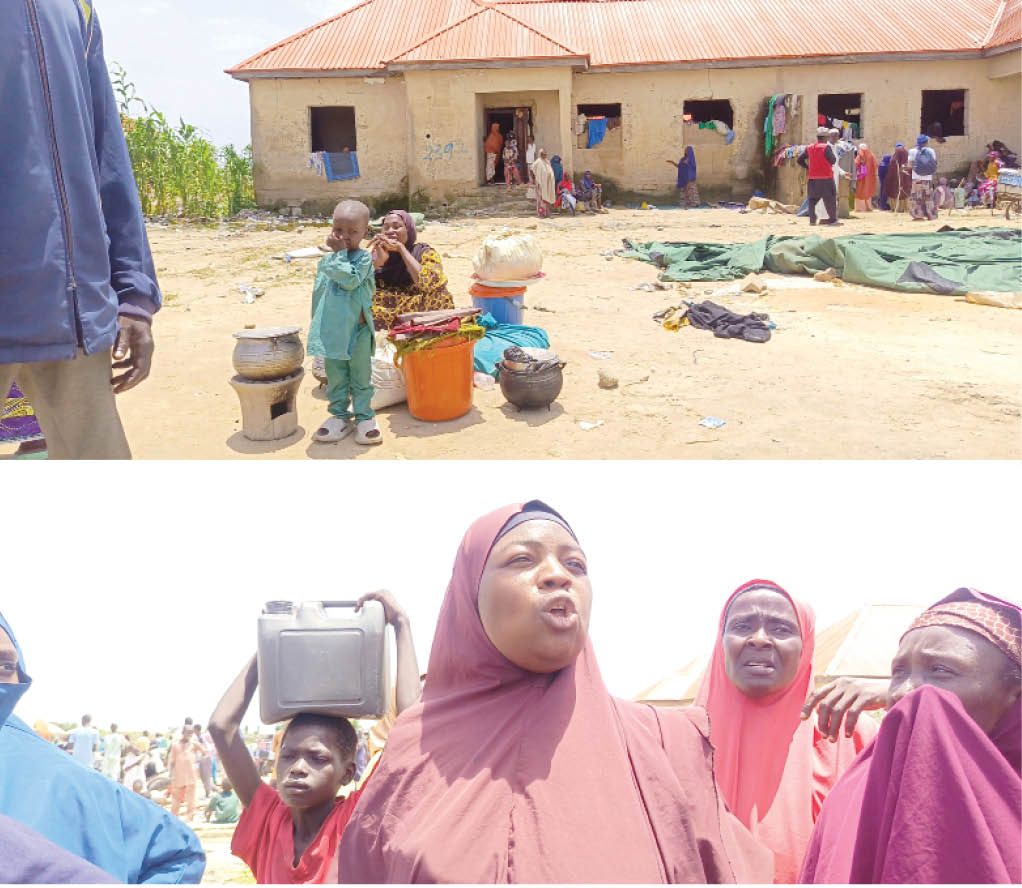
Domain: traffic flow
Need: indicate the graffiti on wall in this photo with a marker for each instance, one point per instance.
(437, 151)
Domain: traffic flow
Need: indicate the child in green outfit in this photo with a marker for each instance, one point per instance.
(342, 327)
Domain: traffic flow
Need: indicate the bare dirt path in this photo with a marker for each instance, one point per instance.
(850, 371)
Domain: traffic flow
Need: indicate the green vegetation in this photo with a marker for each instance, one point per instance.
(179, 173)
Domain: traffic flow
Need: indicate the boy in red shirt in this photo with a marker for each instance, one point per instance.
(290, 835)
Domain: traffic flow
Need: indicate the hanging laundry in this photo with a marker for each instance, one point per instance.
(580, 124)
(340, 165)
(597, 130)
(768, 127)
(316, 163)
(780, 115)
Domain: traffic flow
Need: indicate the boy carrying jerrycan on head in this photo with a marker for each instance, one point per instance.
(342, 327)
(290, 835)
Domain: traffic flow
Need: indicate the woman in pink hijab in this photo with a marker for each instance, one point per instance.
(937, 797)
(774, 766)
(517, 765)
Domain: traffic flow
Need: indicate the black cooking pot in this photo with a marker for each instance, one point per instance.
(533, 388)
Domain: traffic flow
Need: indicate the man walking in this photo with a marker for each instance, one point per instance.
(84, 741)
(113, 751)
(184, 754)
(77, 282)
(819, 159)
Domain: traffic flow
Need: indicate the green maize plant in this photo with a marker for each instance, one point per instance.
(178, 172)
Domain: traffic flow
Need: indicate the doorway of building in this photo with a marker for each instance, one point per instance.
(516, 120)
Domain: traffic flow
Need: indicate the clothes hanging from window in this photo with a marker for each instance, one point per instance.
(340, 165)
(316, 163)
(597, 130)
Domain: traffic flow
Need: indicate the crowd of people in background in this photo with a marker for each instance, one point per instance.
(484, 772)
(905, 180)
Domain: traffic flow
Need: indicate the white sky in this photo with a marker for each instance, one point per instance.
(135, 590)
(175, 52)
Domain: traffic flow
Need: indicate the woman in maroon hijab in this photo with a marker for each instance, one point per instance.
(937, 797)
(517, 765)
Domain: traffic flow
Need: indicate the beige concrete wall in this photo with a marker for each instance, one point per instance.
(653, 132)
(281, 137)
(445, 157)
(423, 130)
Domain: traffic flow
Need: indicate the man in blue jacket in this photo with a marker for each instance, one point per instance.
(77, 281)
(77, 808)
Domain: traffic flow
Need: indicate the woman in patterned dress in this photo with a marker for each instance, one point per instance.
(409, 274)
(18, 424)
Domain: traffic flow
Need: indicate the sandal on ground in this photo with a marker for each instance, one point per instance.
(334, 429)
(367, 432)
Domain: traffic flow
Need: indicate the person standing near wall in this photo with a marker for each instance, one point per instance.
(77, 282)
(922, 160)
(819, 159)
(493, 144)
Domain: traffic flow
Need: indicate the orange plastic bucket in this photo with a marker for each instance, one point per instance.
(439, 380)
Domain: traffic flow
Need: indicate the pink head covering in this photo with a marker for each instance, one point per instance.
(503, 775)
(774, 770)
(931, 800)
(754, 734)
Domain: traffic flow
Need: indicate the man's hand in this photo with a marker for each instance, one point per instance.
(392, 611)
(843, 700)
(133, 351)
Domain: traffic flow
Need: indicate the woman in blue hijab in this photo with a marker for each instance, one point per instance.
(688, 191)
(78, 809)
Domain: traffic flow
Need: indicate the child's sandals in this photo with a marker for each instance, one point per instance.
(367, 432)
(333, 430)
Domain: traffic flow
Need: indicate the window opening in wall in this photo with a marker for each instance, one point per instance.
(333, 129)
(707, 111)
(841, 111)
(594, 121)
(943, 113)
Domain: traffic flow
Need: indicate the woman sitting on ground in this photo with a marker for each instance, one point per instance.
(517, 765)
(591, 192)
(409, 273)
(775, 764)
(566, 193)
(936, 798)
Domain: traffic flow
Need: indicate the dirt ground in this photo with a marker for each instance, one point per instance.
(222, 867)
(850, 371)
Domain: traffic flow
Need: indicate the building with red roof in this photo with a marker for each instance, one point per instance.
(411, 87)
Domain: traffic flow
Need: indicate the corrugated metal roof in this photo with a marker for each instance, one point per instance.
(629, 32)
(615, 33)
(487, 35)
(1008, 27)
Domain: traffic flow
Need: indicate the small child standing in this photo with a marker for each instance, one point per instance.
(342, 328)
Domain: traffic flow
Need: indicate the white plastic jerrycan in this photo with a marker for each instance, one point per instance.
(324, 657)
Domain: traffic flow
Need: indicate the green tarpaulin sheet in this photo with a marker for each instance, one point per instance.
(950, 263)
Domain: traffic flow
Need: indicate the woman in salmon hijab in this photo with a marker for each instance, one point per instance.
(774, 765)
(866, 180)
(937, 797)
(517, 765)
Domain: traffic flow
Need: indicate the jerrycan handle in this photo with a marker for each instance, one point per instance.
(338, 603)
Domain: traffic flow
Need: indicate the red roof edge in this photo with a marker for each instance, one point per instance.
(238, 68)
